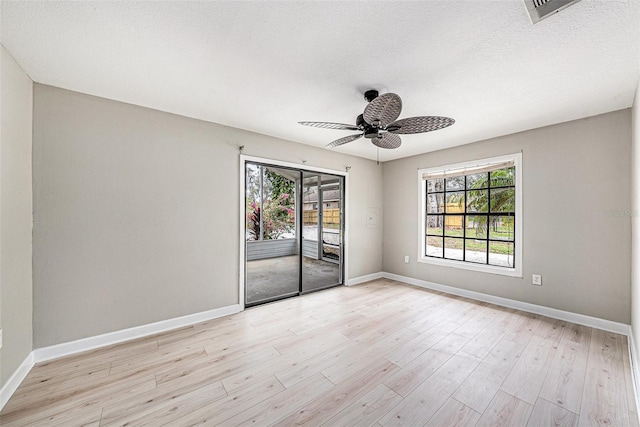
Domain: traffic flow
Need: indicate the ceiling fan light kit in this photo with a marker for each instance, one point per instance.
(379, 122)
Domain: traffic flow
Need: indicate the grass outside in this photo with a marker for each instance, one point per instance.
(502, 248)
(500, 233)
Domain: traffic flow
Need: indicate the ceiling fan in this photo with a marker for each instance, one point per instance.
(379, 122)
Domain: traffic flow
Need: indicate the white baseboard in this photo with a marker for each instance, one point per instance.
(91, 343)
(15, 380)
(581, 319)
(363, 279)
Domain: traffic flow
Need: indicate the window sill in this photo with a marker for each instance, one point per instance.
(463, 265)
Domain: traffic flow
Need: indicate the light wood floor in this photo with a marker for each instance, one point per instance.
(377, 354)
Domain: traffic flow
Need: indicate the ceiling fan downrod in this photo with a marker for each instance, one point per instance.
(370, 95)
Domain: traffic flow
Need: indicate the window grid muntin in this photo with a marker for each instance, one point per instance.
(444, 213)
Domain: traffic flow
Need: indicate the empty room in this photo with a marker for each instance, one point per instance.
(330, 213)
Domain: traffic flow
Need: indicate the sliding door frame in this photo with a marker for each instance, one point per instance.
(244, 159)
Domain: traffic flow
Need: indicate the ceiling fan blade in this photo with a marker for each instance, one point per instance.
(387, 140)
(420, 124)
(386, 108)
(344, 140)
(327, 125)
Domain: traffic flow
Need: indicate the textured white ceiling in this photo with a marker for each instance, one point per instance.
(264, 66)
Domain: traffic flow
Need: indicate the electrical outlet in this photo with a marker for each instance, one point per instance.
(536, 279)
(406, 259)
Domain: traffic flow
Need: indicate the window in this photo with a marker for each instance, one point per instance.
(471, 215)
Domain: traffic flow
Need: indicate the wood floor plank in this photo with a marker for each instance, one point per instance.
(423, 402)
(197, 340)
(215, 368)
(467, 310)
(353, 362)
(359, 327)
(551, 330)
(452, 343)
(245, 343)
(215, 413)
(88, 359)
(87, 397)
(308, 351)
(527, 376)
(412, 349)
(318, 320)
(156, 360)
(399, 316)
(282, 404)
(524, 328)
(454, 414)
(605, 352)
(433, 314)
(423, 366)
(65, 412)
(578, 334)
(564, 382)
(58, 383)
(167, 410)
(506, 410)
(310, 343)
(85, 420)
(336, 399)
(297, 371)
(481, 386)
(79, 418)
(366, 410)
(385, 337)
(419, 370)
(481, 344)
(604, 401)
(478, 323)
(219, 339)
(547, 414)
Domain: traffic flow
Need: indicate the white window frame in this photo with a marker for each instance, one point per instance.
(516, 271)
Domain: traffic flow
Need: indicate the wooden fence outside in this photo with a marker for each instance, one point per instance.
(331, 217)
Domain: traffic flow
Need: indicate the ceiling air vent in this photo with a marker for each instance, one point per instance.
(540, 9)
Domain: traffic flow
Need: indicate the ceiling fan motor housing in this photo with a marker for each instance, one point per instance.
(370, 131)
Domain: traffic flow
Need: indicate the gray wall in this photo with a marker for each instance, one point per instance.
(576, 222)
(137, 213)
(635, 237)
(15, 215)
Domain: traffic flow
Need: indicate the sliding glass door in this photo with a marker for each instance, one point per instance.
(321, 231)
(272, 243)
(293, 232)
